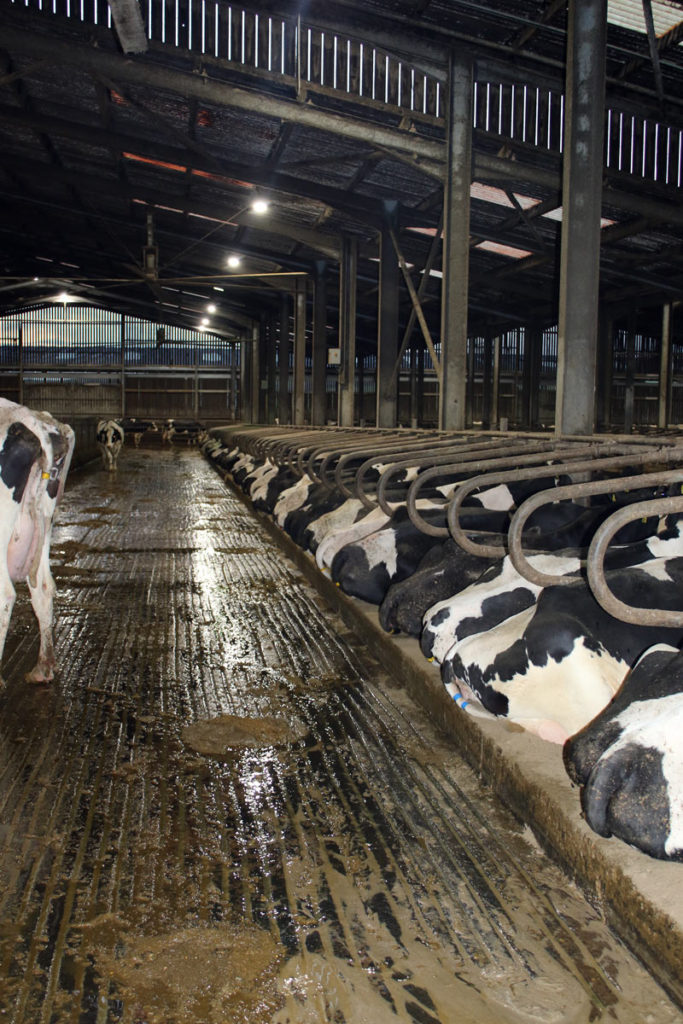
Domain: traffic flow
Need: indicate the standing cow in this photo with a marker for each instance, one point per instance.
(35, 454)
(110, 441)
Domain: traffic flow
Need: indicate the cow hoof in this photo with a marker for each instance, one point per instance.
(38, 676)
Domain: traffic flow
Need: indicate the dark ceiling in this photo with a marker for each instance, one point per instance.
(104, 152)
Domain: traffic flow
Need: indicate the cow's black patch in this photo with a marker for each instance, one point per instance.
(19, 452)
(627, 796)
(495, 610)
(658, 674)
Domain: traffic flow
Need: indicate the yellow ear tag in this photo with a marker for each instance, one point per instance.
(45, 476)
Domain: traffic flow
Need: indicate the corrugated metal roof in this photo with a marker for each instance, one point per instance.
(629, 14)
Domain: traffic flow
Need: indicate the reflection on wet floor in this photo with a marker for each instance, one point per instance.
(331, 860)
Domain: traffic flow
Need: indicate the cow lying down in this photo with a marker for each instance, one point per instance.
(629, 760)
(554, 666)
(35, 453)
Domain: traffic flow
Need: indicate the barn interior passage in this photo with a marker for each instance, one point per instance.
(333, 859)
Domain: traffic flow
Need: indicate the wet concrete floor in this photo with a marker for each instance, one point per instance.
(332, 859)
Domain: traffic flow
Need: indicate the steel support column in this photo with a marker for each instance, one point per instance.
(299, 408)
(665, 368)
(581, 206)
(284, 407)
(533, 353)
(456, 246)
(386, 413)
(348, 272)
(319, 347)
(246, 373)
(255, 374)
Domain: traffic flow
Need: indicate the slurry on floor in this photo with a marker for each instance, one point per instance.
(332, 859)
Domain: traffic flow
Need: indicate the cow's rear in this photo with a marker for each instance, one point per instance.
(35, 454)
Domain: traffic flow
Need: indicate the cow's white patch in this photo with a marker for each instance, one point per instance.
(380, 549)
(260, 480)
(339, 538)
(662, 547)
(292, 498)
(498, 498)
(338, 518)
(657, 569)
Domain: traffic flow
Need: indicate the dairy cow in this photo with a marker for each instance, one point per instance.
(137, 428)
(444, 571)
(110, 437)
(554, 666)
(367, 568)
(183, 430)
(35, 454)
(501, 591)
(629, 760)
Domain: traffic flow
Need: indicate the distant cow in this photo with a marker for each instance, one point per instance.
(35, 454)
(630, 762)
(184, 430)
(110, 437)
(138, 428)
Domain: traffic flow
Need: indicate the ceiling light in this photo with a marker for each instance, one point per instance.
(259, 206)
(211, 308)
(234, 261)
(205, 322)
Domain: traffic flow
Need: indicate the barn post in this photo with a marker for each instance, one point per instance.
(283, 405)
(630, 380)
(606, 367)
(271, 355)
(486, 382)
(386, 414)
(319, 346)
(348, 271)
(456, 244)
(20, 341)
(249, 375)
(664, 403)
(413, 387)
(495, 387)
(299, 396)
(233, 381)
(581, 208)
(262, 390)
(533, 353)
(123, 365)
(255, 377)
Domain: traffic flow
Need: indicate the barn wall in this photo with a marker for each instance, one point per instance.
(86, 362)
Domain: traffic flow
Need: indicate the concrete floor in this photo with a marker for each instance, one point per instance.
(335, 861)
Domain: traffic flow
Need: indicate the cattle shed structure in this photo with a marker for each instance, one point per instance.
(472, 212)
(413, 263)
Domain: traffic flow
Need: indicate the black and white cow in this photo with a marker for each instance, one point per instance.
(367, 568)
(35, 454)
(501, 591)
(445, 570)
(629, 760)
(188, 431)
(554, 666)
(110, 436)
(137, 428)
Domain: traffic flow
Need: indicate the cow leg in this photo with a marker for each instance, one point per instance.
(7, 598)
(42, 598)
